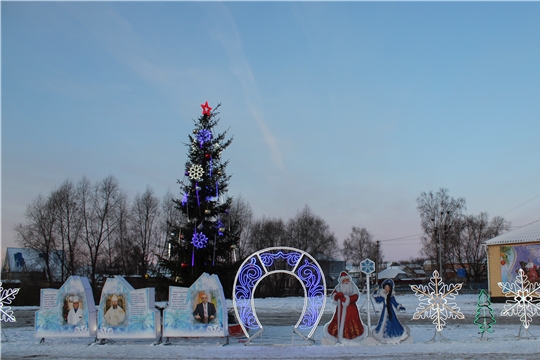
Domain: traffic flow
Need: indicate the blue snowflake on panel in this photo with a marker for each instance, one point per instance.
(203, 136)
(367, 266)
(199, 240)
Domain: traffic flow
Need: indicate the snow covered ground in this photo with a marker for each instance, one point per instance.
(277, 341)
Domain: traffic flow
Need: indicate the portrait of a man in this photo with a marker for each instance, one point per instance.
(75, 313)
(115, 315)
(205, 311)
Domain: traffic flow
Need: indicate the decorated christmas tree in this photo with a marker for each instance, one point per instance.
(484, 313)
(202, 241)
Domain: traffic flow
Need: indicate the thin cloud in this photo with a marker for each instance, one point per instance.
(227, 33)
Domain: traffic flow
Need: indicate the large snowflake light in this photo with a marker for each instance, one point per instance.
(196, 172)
(526, 297)
(7, 296)
(434, 301)
(199, 240)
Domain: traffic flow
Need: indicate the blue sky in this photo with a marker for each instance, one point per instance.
(352, 108)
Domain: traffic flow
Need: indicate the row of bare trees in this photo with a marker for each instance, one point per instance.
(89, 229)
(306, 231)
(453, 239)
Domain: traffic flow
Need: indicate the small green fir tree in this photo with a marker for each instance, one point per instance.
(484, 313)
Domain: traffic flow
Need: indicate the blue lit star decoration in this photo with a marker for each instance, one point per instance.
(199, 240)
(367, 266)
(204, 136)
(7, 296)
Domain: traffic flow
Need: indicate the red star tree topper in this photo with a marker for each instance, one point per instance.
(206, 109)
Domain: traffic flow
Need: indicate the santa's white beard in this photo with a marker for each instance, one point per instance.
(346, 289)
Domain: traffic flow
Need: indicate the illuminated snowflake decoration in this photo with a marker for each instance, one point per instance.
(7, 296)
(196, 172)
(434, 301)
(199, 240)
(525, 302)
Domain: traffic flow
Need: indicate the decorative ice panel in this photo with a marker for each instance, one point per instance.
(126, 313)
(67, 312)
(185, 315)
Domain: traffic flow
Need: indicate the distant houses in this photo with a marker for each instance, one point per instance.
(29, 265)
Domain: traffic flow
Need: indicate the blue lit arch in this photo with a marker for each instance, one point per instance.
(273, 260)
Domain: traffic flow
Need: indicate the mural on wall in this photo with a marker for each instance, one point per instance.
(126, 313)
(515, 257)
(67, 312)
(200, 310)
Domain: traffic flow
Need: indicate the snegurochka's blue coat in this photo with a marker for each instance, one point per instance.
(389, 329)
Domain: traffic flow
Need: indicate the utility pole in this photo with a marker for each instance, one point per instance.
(439, 228)
(377, 262)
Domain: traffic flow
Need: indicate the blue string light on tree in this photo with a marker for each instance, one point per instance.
(199, 240)
(184, 199)
(220, 227)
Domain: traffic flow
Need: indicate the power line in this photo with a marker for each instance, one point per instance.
(537, 196)
(519, 227)
(416, 243)
(403, 237)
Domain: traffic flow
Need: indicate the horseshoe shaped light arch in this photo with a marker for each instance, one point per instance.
(273, 260)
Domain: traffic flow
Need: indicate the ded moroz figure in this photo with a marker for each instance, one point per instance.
(346, 324)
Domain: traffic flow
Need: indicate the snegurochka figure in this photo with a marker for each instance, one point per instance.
(389, 330)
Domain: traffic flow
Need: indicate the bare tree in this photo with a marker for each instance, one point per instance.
(310, 233)
(100, 216)
(170, 218)
(359, 245)
(241, 214)
(145, 214)
(466, 248)
(123, 253)
(266, 233)
(38, 233)
(68, 227)
(438, 211)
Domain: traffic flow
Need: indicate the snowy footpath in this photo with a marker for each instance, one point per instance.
(278, 342)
